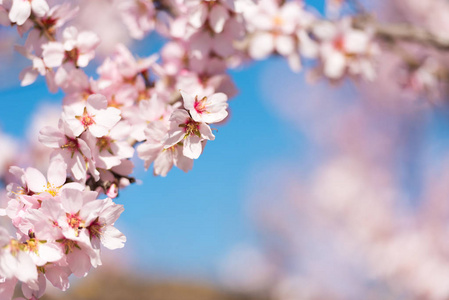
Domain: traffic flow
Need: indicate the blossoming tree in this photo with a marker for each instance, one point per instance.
(163, 107)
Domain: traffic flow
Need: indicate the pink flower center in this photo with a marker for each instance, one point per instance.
(95, 228)
(104, 143)
(72, 55)
(339, 44)
(200, 105)
(49, 22)
(191, 127)
(75, 222)
(71, 144)
(68, 245)
(87, 119)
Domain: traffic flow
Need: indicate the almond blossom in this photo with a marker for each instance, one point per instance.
(152, 150)
(344, 49)
(66, 221)
(29, 75)
(101, 229)
(215, 13)
(58, 15)
(21, 10)
(15, 262)
(78, 47)
(109, 150)
(147, 112)
(424, 79)
(57, 170)
(118, 177)
(138, 16)
(74, 151)
(278, 29)
(95, 116)
(211, 109)
(189, 132)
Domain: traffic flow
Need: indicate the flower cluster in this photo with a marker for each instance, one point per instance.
(59, 229)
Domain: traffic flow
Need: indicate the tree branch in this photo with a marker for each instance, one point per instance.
(403, 32)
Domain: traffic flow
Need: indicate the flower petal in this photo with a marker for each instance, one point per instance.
(39, 7)
(20, 11)
(57, 172)
(217, 17)
(261, 45)
(112, 238)
(35, 180)
(53, 54)
(192, 147)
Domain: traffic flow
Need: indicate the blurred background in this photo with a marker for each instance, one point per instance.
(310, 191)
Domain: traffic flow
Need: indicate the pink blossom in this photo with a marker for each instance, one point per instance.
(66, 222)
(109, 150)
(102, 229)
(29, 74)
(152, 150)
(56, 175)
(138, 16)
(112, 191)
(211, 109)
(213, 12)
(34, 293)
(53, 54)
(155, 134)
(191, 133)
(127, 65)
(14, 262)
(58, 276)
(58, 15)
(43, 251)
(146, 112)
(424, 79)
(95, 116)
(78, 47)
(277, 29)
(21, 10)
(74, 151)
(345, 49)
(172, 55)
(118, 176)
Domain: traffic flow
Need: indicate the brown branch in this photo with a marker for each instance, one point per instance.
(403, 32)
